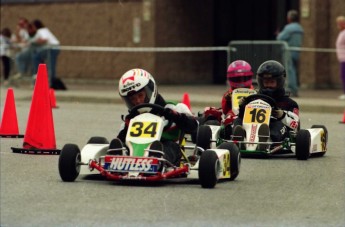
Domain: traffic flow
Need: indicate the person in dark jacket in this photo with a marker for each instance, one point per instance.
(138, 86)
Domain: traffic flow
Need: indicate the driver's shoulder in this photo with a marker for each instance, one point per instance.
(178, 107)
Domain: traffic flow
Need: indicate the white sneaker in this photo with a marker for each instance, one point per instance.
(342, 97)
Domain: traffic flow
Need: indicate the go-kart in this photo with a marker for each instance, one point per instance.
(139, 162)
(303, 143)
(212, 118)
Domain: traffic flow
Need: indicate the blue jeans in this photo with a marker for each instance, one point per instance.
(49, 56)
(292, 77)
(24, 61)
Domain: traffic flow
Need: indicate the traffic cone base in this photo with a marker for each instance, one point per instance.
(9, 123)
(35, 151)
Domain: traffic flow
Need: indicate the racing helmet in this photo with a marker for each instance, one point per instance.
(271, 70)
(134, 81)
(240, 74)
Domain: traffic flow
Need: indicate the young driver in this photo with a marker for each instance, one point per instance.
(239, 75)
(271, 80)
(137, 86)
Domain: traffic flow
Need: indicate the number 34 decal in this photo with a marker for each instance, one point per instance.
(143, 129)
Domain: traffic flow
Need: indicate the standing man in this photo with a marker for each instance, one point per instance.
(340, 46)
(293, 35)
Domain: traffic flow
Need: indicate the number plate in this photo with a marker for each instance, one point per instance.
(238, 94)
(143, 129)
(257, 114)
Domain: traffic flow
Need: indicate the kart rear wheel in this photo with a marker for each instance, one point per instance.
(69, 160)
(209, 168)
(324, 140)
(203, 137)
(97, 140)
(303, 142)
(235, 159)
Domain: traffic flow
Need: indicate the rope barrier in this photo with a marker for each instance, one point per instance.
(178, 49)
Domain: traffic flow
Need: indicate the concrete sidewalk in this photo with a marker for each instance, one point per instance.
(323, 101)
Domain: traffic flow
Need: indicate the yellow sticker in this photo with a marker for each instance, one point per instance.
(226, 167)
(143, 129)
(255, 115)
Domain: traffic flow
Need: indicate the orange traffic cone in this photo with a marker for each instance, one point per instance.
(40, 136)
(9, 123)
(343, 121)
(186, 101)
(52, 98)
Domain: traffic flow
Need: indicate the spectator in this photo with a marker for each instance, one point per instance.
(46, 50)
(293, 35)
(5, 53)
(23, 58)
(340, 46)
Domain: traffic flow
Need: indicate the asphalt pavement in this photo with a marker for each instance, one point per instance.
(200, 96)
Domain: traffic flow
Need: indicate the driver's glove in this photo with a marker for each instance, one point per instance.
(241, 101)
(278, 113)
(170, 114)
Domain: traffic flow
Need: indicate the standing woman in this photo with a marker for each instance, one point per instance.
(340, 46)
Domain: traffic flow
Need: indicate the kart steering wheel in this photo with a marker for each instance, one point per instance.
(263, 97)
(152, 108)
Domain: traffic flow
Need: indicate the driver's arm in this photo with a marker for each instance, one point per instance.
(182, 117)
(291, 118)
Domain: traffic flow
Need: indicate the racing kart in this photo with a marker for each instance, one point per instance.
(212, 118)
(138, 161)
(258, 107)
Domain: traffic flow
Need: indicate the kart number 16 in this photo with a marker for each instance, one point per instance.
(143, 129)
(256, 115)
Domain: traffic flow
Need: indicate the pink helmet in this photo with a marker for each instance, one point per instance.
(240, 74)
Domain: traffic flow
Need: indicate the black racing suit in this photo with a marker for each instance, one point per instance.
(184, 122)
(279, 128)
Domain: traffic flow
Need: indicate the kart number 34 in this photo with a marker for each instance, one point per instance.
(143, 129)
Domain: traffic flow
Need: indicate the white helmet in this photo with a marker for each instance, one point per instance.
(136, 80)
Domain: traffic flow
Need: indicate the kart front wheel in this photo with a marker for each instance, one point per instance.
(69, 160)
(204, 137)
(303, 144)
(235, 159)
(209, 169)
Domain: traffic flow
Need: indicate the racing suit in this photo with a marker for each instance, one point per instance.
(182, 121)
(279, 127)
(230, 116)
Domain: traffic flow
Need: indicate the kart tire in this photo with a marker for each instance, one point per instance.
(325, 138)
(212, 122)
(303, 142)
(203, 137)
(193, 135)
(98, 140)
(209, 167)
(235, 159)
(69, 160)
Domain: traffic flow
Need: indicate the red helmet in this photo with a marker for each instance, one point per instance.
(240, 74)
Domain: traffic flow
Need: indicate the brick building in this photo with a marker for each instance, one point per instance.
(177, 23)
